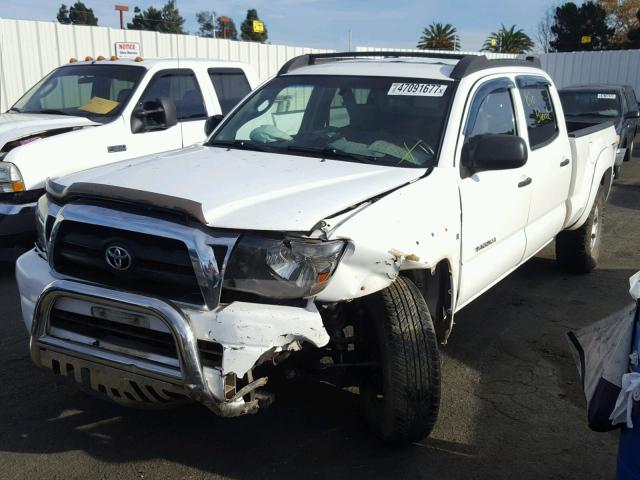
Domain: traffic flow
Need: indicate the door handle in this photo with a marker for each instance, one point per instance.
(525, 182)
(565, 162)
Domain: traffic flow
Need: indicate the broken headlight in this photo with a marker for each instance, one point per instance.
(287, 268)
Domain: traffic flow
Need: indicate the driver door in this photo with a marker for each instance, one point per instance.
(179, 86)
(495, 204)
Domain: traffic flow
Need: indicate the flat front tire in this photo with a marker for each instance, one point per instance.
(577, 251)
(401, 395)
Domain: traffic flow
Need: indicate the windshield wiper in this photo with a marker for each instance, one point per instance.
(589, 114)
(333, 153)
(15, 109)
(52, 111)
(239, 144)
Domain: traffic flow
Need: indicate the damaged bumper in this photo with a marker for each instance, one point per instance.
(139, 349)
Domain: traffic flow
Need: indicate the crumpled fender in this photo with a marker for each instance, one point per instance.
(414, 227)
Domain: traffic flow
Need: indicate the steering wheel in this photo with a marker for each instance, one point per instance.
(420, 144)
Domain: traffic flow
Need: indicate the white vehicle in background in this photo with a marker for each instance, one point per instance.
(333, 224)
(90, 113)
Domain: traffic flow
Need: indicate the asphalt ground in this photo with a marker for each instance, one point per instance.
(512, 405)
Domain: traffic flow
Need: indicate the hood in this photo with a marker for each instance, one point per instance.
(592, 120)
(241, 189)
(15, 125)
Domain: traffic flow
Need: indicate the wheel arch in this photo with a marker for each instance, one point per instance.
(438, 289)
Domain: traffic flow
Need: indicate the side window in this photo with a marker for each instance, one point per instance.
(182, 87)
(231, 86)
(632, 103)
(539, 112)
(492, 111)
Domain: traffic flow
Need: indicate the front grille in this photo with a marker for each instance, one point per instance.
(131, 337)
(160, 267)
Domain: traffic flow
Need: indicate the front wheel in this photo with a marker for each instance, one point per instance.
(577, 251)
(401, 393)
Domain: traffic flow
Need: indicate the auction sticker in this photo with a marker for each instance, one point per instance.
(607, 96)
(417, 89)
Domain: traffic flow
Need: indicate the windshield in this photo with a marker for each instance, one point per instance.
(592, 103)
(386, 121)
(84, 90)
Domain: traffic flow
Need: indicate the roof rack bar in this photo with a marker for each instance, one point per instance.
(310, 58)
(467, 64)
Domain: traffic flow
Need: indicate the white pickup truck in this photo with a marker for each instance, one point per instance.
(90, 113)
(333, 224)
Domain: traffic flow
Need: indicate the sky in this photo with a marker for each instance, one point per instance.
(326, 23)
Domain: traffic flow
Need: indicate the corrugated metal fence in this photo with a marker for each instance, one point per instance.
(610, 67)
(29, 50)
(620, 67)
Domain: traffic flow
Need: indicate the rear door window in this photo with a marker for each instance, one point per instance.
(539, 111)
(231, 86)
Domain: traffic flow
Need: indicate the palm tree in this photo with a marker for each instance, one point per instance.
(508, 41)
(439, 36)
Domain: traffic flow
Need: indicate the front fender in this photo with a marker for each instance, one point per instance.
(414, 227)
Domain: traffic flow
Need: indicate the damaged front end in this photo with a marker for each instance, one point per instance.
(133, 306)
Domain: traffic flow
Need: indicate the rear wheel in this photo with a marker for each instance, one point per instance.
(629, 153)
(577, 251)
(401, 394)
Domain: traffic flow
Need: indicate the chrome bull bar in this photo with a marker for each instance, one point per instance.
(190, 376)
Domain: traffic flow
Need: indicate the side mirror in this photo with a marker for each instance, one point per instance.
(158, 114)
(211, 124)
(635, 114)
(494, 152)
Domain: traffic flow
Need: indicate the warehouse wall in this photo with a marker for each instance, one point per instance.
(29, 50)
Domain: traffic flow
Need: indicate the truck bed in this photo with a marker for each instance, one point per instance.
(593, 150)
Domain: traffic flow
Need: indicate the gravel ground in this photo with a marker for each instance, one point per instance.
(512, 405)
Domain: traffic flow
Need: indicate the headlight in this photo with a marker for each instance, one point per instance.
(10, 178)
(287, 268)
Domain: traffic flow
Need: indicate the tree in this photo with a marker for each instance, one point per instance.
(205, 22)
(621, 16)
(543, 31)
(224, 26)
(63, 15)
(438, 36)
(167, 20)
(77, 14)
(508, 41)
(633, 35)
(571, 23)
(246, 28)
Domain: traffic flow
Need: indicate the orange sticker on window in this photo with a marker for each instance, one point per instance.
(99, 105)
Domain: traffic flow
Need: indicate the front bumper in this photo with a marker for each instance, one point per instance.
(17, 223)
(249, 334)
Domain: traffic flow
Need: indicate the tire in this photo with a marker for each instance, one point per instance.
(617, 171)
(629, 153)
(577, 251)
(401, 396)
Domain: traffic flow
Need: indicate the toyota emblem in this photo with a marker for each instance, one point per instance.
(118, 258)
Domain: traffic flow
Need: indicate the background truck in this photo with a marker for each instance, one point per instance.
(333, 224)
(94, 112)
(587, 105)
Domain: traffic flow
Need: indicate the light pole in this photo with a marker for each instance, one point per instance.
(121, 9)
